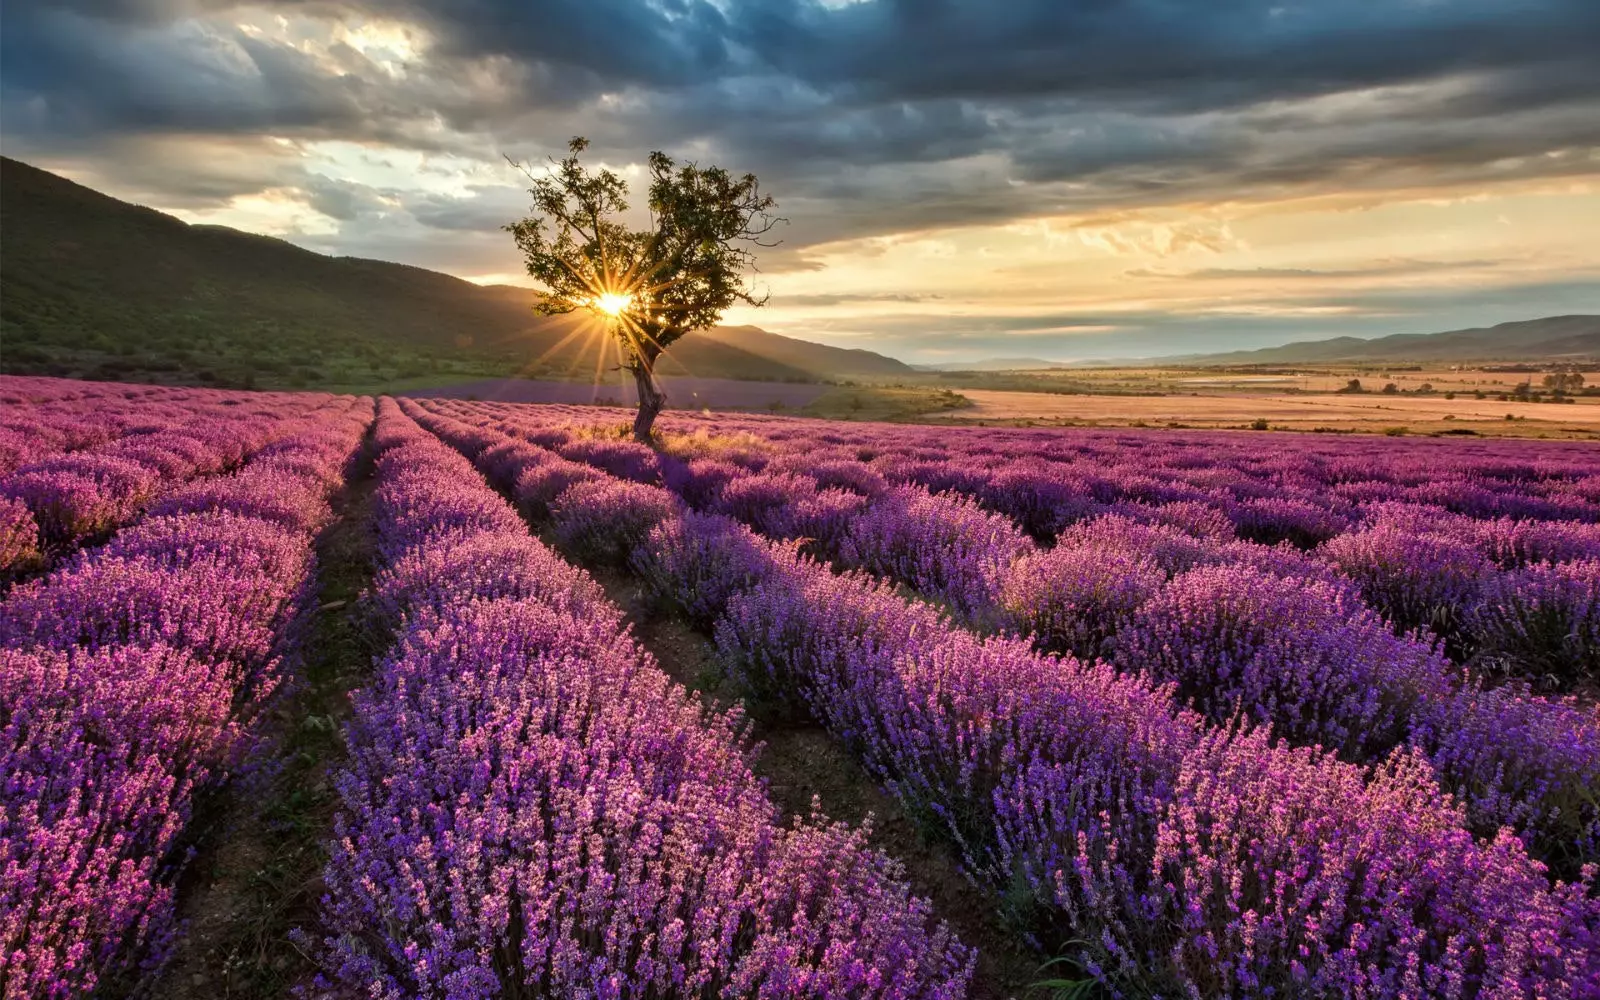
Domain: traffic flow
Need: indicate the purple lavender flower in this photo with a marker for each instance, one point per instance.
(1542, 622)
(19, 537)
(1415, 580)
(605, 521)
(948, 548)
(1074, 598)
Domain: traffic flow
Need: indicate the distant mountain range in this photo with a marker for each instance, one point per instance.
(1547, 340)
(93, 286)
(994, 365)
(1554, 338)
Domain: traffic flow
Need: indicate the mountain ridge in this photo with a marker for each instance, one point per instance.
(1548, 338)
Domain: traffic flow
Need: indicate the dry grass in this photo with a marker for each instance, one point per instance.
(1373, 412)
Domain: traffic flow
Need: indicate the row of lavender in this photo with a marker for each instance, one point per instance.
(1493, 546)
(40, 419)
(16, 389)
(130, 680)
(1489, 544)
(93, 463)
(532, 808)
(1213, 618)
(1166, 856)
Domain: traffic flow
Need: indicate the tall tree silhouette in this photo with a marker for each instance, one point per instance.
(651, 286)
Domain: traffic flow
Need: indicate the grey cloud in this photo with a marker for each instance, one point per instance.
(1222, 54)
(486, 211)
(342, 200)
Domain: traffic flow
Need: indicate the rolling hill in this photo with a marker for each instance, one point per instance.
(97, 287)
(994, 365)
(1554, 338)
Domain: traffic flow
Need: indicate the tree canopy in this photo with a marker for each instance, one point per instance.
(653, 285)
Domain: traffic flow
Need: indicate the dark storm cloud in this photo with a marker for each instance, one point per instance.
(69, 73)
(796, 82)
(657, 43)
(1221, 53)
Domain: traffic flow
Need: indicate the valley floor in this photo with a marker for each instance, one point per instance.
(1369, 412)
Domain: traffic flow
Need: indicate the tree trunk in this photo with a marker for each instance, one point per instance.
(651, 399)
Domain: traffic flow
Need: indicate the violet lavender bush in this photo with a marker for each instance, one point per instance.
(947, 548)
(1542, 621)
(101, 754)
(19, 537)
(1218, 864)
(604, 521)
(1102, 816)
(1317, 666)
(698, 562)
(130, 682)
(1075, 598)
(1324, 670)
(1416, 580)
(532, 807)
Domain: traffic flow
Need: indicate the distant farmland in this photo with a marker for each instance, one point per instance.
(1366, 412)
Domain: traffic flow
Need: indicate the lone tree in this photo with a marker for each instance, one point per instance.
(649, 286)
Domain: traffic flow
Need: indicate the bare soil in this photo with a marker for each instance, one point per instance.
(258, 874)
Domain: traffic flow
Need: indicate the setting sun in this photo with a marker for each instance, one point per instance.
(612, 304)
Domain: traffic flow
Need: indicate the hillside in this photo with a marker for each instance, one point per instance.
(97, 287)
(1554, 338)
(994, 365)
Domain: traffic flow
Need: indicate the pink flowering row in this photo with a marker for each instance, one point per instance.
(38, 423)
(130, 681)
(51, 504)
(532, 808)
(1311, 660)
(1022, 472)
(1505, 508)
(1166, 856)
(44, 389)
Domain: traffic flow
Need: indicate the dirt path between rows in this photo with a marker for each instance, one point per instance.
(801, 761)
(258, 874)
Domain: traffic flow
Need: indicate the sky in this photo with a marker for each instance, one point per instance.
(963, 179)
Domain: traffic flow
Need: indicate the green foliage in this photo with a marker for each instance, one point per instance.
(679, 275)
(883, 403)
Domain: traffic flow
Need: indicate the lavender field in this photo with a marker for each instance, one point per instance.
(1136, 713)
